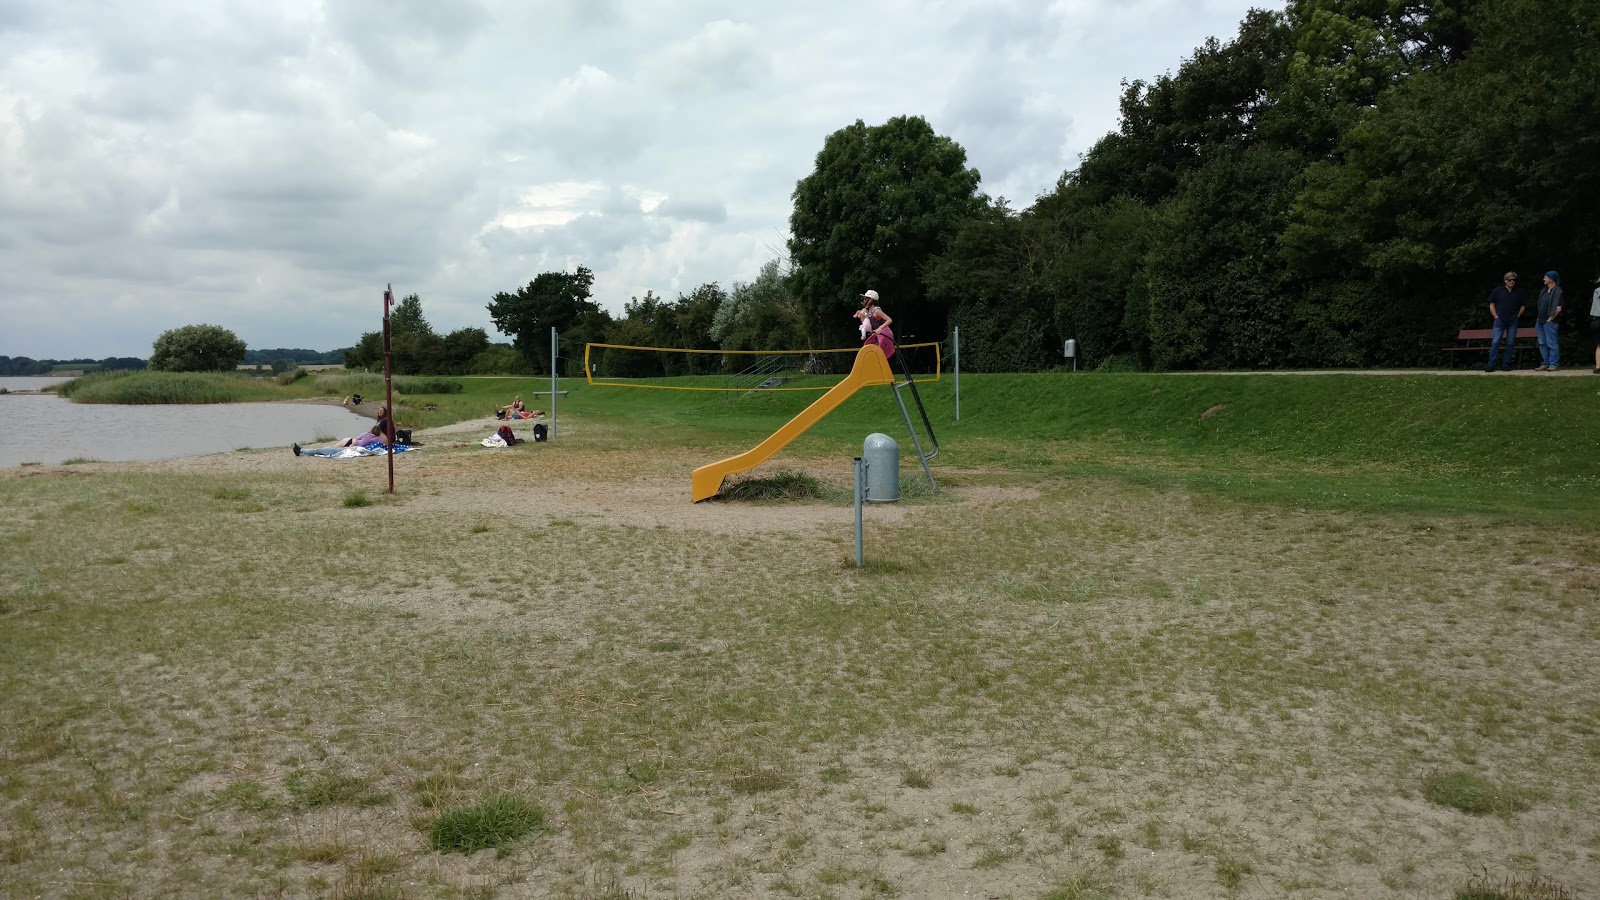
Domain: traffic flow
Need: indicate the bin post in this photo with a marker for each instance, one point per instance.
(881, 457)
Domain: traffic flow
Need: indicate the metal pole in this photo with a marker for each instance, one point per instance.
(860, 475)
(958, 372)
(555, 383)
(388, 382)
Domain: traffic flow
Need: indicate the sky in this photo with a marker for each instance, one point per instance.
(270, 167)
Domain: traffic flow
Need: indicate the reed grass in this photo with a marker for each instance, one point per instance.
(169, 387)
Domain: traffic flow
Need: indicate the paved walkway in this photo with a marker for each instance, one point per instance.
(1518, 373)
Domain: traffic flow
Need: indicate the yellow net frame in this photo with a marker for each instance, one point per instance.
(589, 376)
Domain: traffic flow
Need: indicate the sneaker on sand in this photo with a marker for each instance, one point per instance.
(1541, 368)
(1490, 369)
(1552, 368)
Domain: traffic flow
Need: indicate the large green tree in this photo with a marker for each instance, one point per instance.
(197, 348)
(881, 202)
(559, 300)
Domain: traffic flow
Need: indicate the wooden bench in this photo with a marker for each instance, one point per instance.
(1479, 340)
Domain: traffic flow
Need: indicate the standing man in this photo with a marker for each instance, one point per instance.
(1546, 327)
(1594, 324)
(1506, 303)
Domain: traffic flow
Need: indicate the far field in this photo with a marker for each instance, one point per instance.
(1155, 636)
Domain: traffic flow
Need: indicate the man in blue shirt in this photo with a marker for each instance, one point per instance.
(1506, 304)
(1548, 328)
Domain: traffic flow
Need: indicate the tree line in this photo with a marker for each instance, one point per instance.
(23, 366)
(1339, 184)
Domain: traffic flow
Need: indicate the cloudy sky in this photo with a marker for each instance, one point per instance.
(268, 167)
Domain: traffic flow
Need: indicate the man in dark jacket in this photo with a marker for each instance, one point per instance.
(1506, 303)
(1545, 325)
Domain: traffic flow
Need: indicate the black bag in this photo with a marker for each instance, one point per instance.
(540, 433)
(402, 436)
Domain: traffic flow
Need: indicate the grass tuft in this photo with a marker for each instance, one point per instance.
(331, 789)
(759, 781)
(1472, 794)
(356, 499)
(916, 778)
(781, 486)
(1080, 887)
(487, 825)
(1513, 887)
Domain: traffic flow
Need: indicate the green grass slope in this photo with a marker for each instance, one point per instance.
(1492, 444)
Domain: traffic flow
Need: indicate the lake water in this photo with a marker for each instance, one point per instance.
(44, 428)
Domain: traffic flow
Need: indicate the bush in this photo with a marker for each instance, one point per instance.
(197, 348)
(291, 376)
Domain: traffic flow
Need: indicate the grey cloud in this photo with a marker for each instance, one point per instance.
(404, 39)
(709, 211)
(1015, 135)
(595, 238)
(589, 121)
(723, 56)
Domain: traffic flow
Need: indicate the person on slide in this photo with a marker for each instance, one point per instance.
(875, 324)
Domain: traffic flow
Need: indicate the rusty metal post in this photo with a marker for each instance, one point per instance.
(388, 383)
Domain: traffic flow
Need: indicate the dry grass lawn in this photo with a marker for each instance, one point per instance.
(256, 675)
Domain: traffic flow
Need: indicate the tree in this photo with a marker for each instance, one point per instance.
(1220, 99)
(367, 354)
(558, 300)
(760, 315)
(881, 202)
(458, 350)
(197, 348)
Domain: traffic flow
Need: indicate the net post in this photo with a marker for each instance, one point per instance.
(957, 354)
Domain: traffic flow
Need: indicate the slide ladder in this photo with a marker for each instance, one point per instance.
(922, 455)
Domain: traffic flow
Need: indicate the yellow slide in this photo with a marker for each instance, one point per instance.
(871, 368)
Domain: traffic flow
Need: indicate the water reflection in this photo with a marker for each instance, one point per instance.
(47, 429)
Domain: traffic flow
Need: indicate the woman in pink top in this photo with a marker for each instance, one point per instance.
(875, 324)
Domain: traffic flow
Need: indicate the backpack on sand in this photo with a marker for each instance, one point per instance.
(540, 433)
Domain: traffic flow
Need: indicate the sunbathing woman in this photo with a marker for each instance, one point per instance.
(371, 437)
(515, 411)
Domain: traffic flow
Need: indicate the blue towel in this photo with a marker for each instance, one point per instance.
(352, 452)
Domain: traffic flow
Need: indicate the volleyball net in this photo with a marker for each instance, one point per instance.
(741, 371)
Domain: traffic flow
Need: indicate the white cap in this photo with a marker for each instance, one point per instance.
(871, 295)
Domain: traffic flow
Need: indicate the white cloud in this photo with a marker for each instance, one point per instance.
(269, 167)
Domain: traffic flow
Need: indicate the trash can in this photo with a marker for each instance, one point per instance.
(881, 457)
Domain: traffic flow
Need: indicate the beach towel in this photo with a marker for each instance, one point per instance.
(351, 452)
